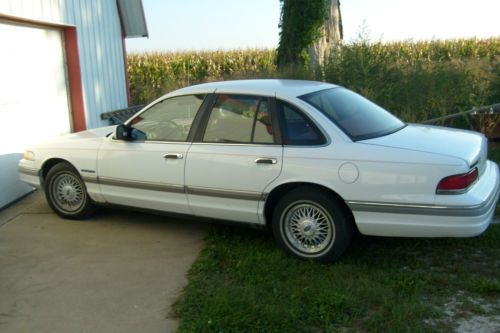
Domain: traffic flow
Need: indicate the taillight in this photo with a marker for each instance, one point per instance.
(457, 184)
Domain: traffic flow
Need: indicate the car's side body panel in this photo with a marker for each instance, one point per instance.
(139, 174)
(79, 149)
(226, 182)
(356, 171)
(458, 220)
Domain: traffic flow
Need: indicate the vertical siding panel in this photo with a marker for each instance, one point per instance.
(43, 5)
(119, 53)
(48, 8)
(97, 79)
(110, 49)
(5, 7)
(105, 56)
(114, 99)
(114, 35)
(92, 74)
(64, 8)
(26, 8)
(96, 65)
(37, 9)
(108, 58)
(55, 14)
(16, 8)
(87, 70)
(90, 47)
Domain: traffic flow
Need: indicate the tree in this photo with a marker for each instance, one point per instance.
(309, 28)
(331, 33)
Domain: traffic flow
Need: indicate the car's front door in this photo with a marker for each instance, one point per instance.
(237, 154)
(147, 171)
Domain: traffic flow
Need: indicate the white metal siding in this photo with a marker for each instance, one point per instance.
(99, 43)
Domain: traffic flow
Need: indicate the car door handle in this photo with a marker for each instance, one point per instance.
(266, 160)
(173, 156)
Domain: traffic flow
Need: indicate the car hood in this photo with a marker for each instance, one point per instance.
(89, 139)
(89, 134)
(466, 145)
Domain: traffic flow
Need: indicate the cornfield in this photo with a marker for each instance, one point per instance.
(415, 80)
(422, 80)
(153, 74)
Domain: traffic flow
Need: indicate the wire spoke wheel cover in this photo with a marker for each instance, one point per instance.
(68, 192)
(308, 227)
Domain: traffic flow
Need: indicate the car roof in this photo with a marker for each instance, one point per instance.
(262, 87)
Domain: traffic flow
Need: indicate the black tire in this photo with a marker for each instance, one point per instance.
(66, 192)
(310, 223)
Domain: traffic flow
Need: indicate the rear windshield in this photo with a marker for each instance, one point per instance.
(359, 118)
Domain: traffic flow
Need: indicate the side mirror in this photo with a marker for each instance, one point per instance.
(122, 132)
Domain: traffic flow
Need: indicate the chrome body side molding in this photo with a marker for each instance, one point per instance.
(211, 192)
(202, 191)
(417, 209)
(89, 179)
(141, 185)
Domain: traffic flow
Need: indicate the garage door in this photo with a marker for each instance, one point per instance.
(33, 97)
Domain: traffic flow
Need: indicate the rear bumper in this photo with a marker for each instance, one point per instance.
(464, 215)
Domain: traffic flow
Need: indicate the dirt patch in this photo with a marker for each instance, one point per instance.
(468, 314)
(485, 324)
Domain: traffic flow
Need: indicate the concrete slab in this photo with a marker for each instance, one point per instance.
(118, 272)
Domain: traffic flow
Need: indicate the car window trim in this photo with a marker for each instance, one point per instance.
(203, 119)
(275, 121)
(208, 102)
(255, 120)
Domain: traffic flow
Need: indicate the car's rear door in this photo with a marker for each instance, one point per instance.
(148, 171)
(237, 153)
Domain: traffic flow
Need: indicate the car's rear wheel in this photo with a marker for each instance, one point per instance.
(311, 224)
(66, 192)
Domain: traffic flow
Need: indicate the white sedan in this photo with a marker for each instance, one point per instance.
(312, 161)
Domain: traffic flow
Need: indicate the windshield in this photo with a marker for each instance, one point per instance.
(359, 118)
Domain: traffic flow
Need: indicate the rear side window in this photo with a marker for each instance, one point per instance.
(239, 119)
(297, 129)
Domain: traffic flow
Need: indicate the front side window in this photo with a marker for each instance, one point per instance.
(168, 120)
(239, 119)
(359, 118)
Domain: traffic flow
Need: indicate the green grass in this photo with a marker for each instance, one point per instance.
(494, 154)
(243, 283)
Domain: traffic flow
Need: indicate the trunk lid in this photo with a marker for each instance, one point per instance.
(466, 145)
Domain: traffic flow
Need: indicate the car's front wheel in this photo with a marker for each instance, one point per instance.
(66, 192)
(311, 224)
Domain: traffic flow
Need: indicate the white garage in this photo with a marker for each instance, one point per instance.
(62, 64)
(34, 104)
